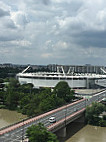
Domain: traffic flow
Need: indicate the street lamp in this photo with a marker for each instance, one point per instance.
(23, 131)
(65, 114)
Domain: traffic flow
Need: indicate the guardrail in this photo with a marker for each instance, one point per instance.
(26, 121)
(42, 113)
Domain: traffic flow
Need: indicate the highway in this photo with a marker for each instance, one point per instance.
(17, 132)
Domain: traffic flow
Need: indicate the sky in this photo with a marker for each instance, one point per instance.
(41, 32)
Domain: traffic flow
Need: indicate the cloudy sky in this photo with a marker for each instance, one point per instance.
(53, 32)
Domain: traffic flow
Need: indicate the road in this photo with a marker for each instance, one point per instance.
(17, 132)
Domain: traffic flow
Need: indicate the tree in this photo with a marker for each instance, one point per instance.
(26, 88)
(12, 99)
(62, 90)
(12, 95)
(39, 133)
(13, 84)
(93, 112)
(1, 80)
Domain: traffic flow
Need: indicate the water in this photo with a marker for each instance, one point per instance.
(8, 117)
(78, 132)
(89, 134)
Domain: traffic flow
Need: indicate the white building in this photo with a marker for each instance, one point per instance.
(50, 79)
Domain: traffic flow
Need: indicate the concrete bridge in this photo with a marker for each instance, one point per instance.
(64, 115)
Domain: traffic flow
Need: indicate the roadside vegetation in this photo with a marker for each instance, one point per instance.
(39, 133)
(31, 101)
(94, 114)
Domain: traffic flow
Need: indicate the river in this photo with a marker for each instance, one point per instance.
(78, 132)
(89, 134)
(8, 117)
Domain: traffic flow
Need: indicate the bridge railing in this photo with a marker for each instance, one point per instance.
(85, 102)
(44, 112)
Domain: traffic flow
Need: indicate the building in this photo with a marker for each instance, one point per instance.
(75, 80)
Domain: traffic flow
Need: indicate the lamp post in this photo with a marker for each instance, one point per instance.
(23, 131)
(65, 114)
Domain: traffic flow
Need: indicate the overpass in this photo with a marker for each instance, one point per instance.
(64, 115)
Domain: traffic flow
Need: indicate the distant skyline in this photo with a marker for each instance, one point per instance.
(41, 32)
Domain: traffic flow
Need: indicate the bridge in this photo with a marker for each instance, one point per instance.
(64, 115)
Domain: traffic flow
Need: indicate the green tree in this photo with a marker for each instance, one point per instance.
(12, 99)
(62, 90)
(12, 95)
(93, 112)
(39, 133)
(1, 80)
(13, 83)
(50, 102)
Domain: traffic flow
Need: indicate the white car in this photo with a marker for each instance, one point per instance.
(52, 119)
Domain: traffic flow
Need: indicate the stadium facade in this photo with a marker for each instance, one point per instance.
(75, 80)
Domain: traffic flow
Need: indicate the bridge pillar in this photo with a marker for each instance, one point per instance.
(87, 83)
(61, 132)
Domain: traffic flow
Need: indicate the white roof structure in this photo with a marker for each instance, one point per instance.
(50, 79)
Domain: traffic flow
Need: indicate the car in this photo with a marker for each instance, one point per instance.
(75, 109)
(52, 119)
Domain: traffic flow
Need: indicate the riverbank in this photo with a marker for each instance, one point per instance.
(8, 117)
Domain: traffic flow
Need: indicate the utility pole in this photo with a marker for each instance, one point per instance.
(23, 131)
(65, 114)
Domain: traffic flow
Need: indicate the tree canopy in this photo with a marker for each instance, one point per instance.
(93, 114)
(39, 133)
(62, 90)
(31, 101)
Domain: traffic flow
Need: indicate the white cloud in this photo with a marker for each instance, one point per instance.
(53, 31)
(46, 55)
(19, 18)
(61, 45)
